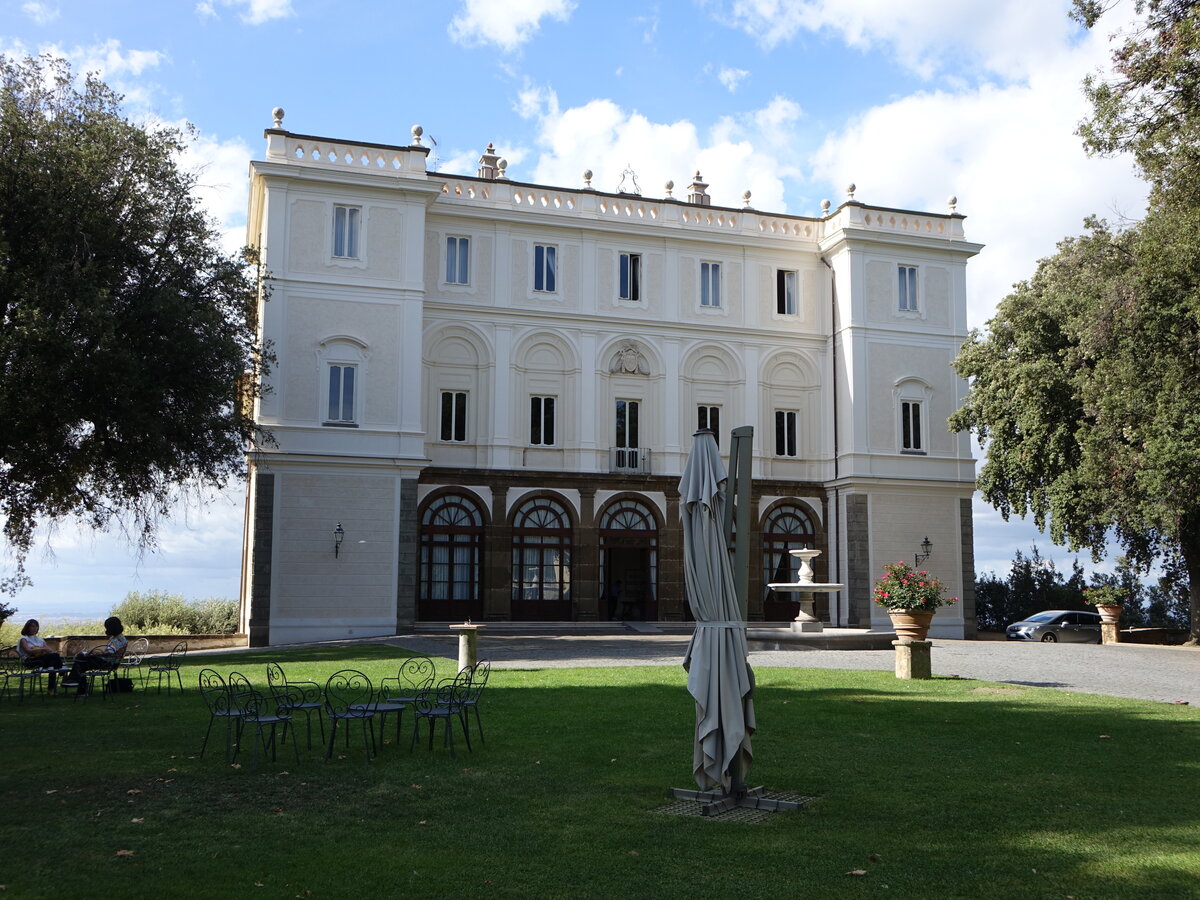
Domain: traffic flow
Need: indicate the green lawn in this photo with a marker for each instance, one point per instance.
(948, 788)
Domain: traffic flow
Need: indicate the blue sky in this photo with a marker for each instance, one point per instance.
(790, 99)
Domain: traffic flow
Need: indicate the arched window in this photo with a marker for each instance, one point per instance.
(541, 561)
(628, 561)
(788, 527)
(451, 547)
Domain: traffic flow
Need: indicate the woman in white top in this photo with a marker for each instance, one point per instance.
(36, 655)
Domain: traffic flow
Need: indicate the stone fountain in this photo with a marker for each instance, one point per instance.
(806, 590)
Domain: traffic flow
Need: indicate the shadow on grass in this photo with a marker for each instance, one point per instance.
(956, 787)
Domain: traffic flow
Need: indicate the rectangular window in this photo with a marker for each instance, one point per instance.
(710, 417)
(710, 284)
(341, 394)
(544, 271)
(785, 292)
(345, 231)
(458, 254)
(631, 277)
(908, 288)
(910, 427)
(454, 416)
(627, 423)
(785, 433)
(541, 421)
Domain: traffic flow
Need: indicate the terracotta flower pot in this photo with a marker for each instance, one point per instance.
(911, 624)
(1109, 614)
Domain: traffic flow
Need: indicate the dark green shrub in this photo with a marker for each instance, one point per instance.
(158, 612)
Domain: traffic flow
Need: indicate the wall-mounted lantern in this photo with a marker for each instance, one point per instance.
(926, 549)
(339, 534)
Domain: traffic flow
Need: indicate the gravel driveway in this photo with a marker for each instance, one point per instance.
(1166, 674)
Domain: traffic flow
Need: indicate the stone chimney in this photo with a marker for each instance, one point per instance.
(698, 193)
(487, 163)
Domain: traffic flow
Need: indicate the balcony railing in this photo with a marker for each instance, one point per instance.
(634, 460)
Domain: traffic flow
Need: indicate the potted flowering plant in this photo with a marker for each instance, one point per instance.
(911, 597)
(1108, 600)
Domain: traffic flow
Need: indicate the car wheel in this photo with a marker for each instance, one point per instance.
(1049, 638)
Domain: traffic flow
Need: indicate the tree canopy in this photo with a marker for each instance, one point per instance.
(1084, 385)
(127, 333)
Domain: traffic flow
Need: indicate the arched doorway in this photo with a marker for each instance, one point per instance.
(788, 526)
(451, 548)
(628, 561)
(541, 561)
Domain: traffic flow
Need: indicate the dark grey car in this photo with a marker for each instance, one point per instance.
(1057, 625)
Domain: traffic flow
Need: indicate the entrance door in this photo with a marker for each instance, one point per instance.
(629, 591)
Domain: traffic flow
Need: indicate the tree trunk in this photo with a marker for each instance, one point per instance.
(1190, 546)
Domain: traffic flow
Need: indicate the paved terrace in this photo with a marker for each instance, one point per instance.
(1165, 674)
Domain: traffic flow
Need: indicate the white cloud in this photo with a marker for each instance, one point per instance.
(649, 24)
(508, 25)
(928, 37)
(41, 13)
(223, 186)
(736, 153)
(731, 77)
(252, 12)
(1008, 152)
(108, 59)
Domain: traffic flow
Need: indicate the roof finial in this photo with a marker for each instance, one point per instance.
(952, 202)
(850, 189)
(417, 131)
(277, 114)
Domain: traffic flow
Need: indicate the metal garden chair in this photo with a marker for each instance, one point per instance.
(98, 677)
(442, 703)
(297, 697)
(169, 665)
(480, 672)
(414, 675)
(134, 654)
(220, 704)
(266, 715)
(350, 697)
(12, 669)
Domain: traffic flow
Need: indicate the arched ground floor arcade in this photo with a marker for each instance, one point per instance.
(337, 550)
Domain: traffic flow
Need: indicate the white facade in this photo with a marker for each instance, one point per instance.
(492, 387)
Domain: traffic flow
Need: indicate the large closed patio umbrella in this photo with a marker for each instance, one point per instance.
(719, 677)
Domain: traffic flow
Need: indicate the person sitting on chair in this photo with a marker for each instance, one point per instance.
(36, 655)
(98, 657)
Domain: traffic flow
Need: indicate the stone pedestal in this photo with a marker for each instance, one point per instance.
(1110, 633)
(807, 627)
(912, 659)
(468, 635)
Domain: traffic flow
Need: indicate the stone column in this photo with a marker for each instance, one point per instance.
(468, 635)
(497, 598)
(585, 568)
(671, 602)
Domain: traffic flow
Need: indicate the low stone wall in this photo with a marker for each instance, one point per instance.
(1153, 635)
(71, 644)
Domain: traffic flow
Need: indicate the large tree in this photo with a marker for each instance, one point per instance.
(126, 334)
(1084, 385)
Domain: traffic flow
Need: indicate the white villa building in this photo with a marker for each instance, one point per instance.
(485, 392)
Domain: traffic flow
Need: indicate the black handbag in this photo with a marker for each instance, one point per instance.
(119, 685)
